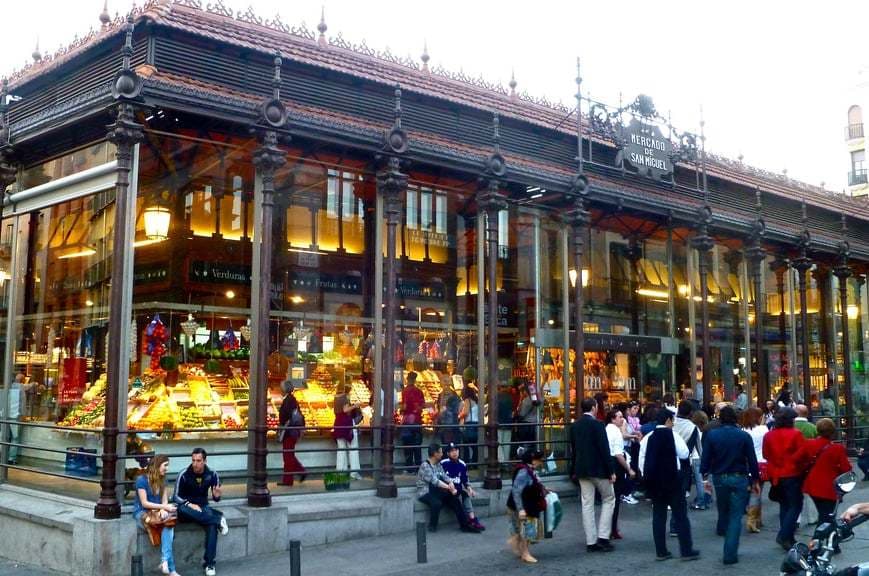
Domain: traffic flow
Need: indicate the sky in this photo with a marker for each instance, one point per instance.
(771, 77)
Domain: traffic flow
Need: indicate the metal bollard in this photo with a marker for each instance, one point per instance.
(421, 546)
(136, 568)
(295, 558)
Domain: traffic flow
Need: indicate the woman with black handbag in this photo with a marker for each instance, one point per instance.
(526, 503)
(782, 448)
(153, 512)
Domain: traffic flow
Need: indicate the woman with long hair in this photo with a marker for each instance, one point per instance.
(526, 501)
(469, 418)
(782, 448)
(152, 494)
(827, 461)
(752, 422)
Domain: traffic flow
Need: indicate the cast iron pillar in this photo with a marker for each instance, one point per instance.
(8, 172)
(802, 264)
(843, 272)
(734, 259)
(267, 159)
(490, 201)
(757, 255)
(703, 243)
(392, 187)
(124, 133)
(579, 218)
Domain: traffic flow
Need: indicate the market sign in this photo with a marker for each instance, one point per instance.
(646, 151)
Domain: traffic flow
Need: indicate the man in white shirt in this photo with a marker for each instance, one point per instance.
(15, 401)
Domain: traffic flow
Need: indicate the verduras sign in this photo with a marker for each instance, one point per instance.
(646, 151)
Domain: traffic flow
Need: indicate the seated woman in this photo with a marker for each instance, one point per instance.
(152, 494)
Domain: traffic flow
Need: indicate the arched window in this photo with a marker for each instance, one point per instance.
(855, 122)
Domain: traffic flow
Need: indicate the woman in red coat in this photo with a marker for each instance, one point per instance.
(782, 448)
(830, 460)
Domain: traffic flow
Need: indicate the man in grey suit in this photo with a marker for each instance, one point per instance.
(592, 466)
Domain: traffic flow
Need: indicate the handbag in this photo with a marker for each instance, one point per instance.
(531, 529)
(154, 524)
(775, 493)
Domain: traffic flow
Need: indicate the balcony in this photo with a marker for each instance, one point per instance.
(857, 177)
(853, 131)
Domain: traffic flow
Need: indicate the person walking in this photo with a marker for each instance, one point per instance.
(826, 461)
(592, 466)
(782, 448)
(661, 454)
(752, 423)
(526, 420)
(191, 497)
(290, 421)
(684, 426)
(623, 471)
(526, 501)
(153, 495)
(730, 458)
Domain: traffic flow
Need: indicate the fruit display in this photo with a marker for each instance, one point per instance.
(86, 415)
(191, 418)
(359, 393)
(162, 415)
(272, 422)
(230, 423)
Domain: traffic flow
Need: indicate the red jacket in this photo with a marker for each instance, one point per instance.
(782, 448)
(833, 461)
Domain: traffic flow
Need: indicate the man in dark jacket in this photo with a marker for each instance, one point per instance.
(191, 497)
(661, 453)
(592, 466)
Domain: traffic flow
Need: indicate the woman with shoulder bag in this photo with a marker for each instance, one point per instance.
(782, 448)
(826, 461)
(153, 512)
(469, 416)
(525, 504)
(290, 416)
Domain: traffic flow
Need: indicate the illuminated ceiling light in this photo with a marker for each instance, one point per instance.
(572, 274)
(853, 311)
(230, 294)
(157, 219)
(78, 253)
(550, 321)
(653, 293)
(683, 289)
(88, 302)
(296, 299)
(303, 251)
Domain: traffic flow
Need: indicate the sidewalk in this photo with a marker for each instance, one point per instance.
(453, 552)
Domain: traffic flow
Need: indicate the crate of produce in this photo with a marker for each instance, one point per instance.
(336, 481)
(81, 461)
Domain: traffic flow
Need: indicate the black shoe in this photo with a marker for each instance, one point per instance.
(726, 561)
(594, 548)
(662, 557)
(432, 528)
(605, 545)
(302, 478)
(471, 529)
(692, 555)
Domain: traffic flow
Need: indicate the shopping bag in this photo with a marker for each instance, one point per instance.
(550, 463)
(553, 511)
(532, 531)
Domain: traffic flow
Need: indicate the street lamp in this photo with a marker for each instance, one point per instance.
(157, 219)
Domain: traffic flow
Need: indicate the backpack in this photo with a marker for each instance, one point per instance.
(297, 419)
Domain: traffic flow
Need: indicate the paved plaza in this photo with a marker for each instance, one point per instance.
(452, 552)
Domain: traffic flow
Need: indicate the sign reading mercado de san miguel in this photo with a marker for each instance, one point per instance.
(646, 150)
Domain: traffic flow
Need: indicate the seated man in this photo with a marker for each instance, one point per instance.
(191, 497)
(434, 488)
(457, 471)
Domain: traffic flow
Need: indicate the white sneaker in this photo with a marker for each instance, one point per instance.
(224, 530)
(630, 499)
(210, 571)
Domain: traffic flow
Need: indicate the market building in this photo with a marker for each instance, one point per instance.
(231, 229)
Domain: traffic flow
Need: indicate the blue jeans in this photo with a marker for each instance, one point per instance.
(790, 507)
(167, 538)
(209, 519)
(701, 498)
(731, 492)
